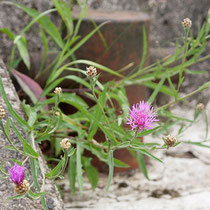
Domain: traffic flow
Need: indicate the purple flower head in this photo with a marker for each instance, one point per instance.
(141, 116)
(17, 174)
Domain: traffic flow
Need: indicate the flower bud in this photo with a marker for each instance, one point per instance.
(187, 23)
(23, 188)
(58, 90)
(65, 144)
(17, 174)
(2, 112)
(200, 107)
(170, 141)
(91, 71)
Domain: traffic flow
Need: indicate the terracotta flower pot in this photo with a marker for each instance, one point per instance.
(122, 44)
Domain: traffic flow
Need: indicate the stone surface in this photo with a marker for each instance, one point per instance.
(15, 19)
(6, 186)
(181, 182)
(115, 4)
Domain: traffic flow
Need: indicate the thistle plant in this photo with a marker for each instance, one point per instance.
(141, 116)
(69, 135)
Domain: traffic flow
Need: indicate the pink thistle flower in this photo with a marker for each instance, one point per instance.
(17, 174)
(141, 116)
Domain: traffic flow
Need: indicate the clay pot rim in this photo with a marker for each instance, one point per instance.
(123, 16)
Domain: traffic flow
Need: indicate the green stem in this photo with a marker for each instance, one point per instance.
(203, 87)
(134, 136)
(39, 161)
(186, 44)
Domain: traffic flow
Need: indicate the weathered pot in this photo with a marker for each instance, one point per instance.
(122, 44)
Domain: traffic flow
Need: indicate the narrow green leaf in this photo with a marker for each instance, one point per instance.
(22, 47)
(144, 49)
(17, 161)
(35, 171)
(156, 91)
(14, 114)
(142, 166)
(196, 72)
(79, 167)
(2, 170)
(91, 172)
(36, 195)
(31, 113)
(53, 173)
(174, 91)
(71, 152)
(65, 12)
(98, 66)
(145, 152)
(207, 124)
(103, 156)
(7, 127)
(10, 148)
(72, 173)
(8, 32)
(27, 148)
(35, 20)
(164, 89)
(121, 145)
(73, 49)
(94, 126)
(16, 197)
(200, 144)
(45, 22)
(45, 50)
(111, 168)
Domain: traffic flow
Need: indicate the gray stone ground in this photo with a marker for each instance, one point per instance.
(181, 182)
